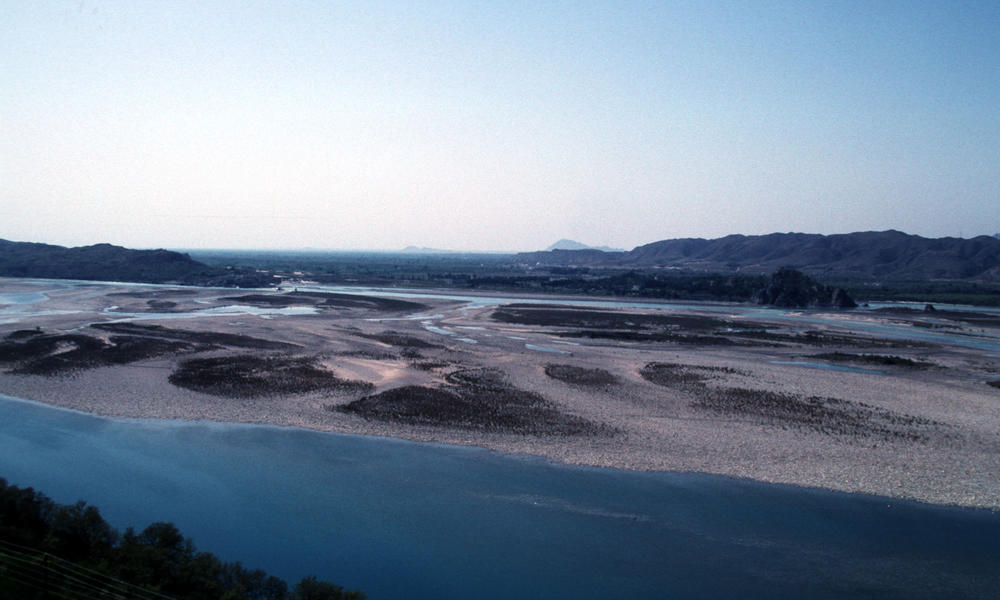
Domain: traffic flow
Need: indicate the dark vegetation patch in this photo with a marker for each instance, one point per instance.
(874, 359)
(429, 365)
(479, 378)
(198, 337)
(246, 376)
(580, 375)
(161, 304)
(47, 354)
(394, 338)
(819, 338)
(662, 336)
(369, 354)
(68, 551)
(327, 300)
(927, 325)
(673, 374)
(271, 300)
(831, 416)
(411, 353)
(853, 421)
(790, 288)
(478, 399)
(21, 334)
(44, 344)
(566, 316)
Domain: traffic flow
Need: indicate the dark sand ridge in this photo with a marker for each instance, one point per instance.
(638, 389)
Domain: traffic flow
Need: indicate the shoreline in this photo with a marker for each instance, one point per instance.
(925, 429)
(511, 455)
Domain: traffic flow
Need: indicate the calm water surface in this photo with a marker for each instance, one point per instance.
(406, 520)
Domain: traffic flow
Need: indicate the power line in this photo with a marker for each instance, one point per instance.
(59, 578)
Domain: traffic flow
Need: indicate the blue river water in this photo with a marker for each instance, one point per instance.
(406, 520)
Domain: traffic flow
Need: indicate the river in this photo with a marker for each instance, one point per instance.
(421, 521)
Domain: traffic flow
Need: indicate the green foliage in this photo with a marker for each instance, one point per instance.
(159, 558)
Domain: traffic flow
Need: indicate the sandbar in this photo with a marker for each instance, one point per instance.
(836, 400)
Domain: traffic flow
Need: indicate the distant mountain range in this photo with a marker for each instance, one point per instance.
(565, 244)
(426, 250)
(869, 254)
(104, 262)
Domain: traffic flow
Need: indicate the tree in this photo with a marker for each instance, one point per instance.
(311, 588)
(78, 532)
(159, 558)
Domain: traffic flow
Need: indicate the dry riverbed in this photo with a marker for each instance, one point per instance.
(828, 400)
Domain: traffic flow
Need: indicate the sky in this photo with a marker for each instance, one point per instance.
(494, 126)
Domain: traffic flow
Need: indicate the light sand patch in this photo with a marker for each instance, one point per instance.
(382, 373)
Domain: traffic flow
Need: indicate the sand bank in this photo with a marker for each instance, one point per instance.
(724, 390)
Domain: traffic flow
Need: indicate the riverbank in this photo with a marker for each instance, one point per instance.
(803, 399)
(416, 521)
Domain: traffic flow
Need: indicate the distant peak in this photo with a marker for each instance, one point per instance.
(566, 244)
(425, 250)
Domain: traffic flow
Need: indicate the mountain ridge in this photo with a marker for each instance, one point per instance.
(867, 254)
(106, 262)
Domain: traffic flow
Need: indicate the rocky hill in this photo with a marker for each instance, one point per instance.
(104, 262)
(870, 254)
(789, 288)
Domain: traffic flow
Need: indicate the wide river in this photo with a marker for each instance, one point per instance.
(411, 521)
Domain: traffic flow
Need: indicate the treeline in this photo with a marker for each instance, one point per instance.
(498, 272)
(495, 272)
(158, 559)
(943, 292)
(688, 286)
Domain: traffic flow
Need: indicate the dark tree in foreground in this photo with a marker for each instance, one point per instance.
(311, 588)
(41, 541)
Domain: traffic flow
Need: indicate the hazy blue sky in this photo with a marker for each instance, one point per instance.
(494, 126)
